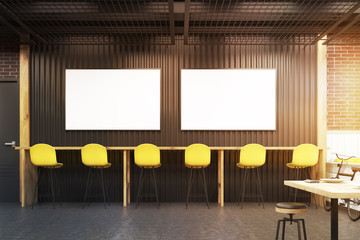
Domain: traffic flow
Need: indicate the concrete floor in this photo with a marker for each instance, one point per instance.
(171, 221)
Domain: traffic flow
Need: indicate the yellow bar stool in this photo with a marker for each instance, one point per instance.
(252, 156)
(147, 156)
(197, 156)
(304, 156)
(44, 156)
(95, 157)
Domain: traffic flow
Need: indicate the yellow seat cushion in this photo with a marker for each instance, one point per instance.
(194, 166)
(245, 166)
(155, 166)
(58, 165)
(101, 166)
(291, 165)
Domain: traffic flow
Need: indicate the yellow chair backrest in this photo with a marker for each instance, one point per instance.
(305, 155)
(197, 155)
(94, 155)
(252, 155)
(43, 155)
(147, 155)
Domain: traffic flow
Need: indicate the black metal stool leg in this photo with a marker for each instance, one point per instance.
(87, 186)
(57, 183)
(205, 188)
(260, 189)
(257, 186)
(277, 229)
(36, 187)
(257, 193)
(297, 178)
(52, 187)
(298, 228)
(283, 231)
(102, 186)
(155, 186)
(41, 183)
(108, 190)
(90, 184)
(312, 194)
(304, 230)
(189, 187)
(244, 187)
(139, 187)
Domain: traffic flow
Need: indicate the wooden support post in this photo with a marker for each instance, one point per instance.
(221, 177)
(319, 171)
(125, 153)
(27, 170)
(128, 176)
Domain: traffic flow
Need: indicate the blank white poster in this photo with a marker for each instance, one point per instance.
(228, 99)
(103, 99)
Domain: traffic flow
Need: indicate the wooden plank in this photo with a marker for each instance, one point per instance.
(26, 179)
(180, 148)
(330, 190)
(125, 153)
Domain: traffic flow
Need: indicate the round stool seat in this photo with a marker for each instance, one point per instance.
(290, 207)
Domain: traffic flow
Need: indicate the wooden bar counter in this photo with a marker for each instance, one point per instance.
(28, 175)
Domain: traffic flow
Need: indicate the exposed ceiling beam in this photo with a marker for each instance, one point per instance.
(21, 24)
(93, 30)
(138, 16)
(355, 20)
(16, 30)
(346, 16)
(186, 21)
(4, 21)
(172, 21)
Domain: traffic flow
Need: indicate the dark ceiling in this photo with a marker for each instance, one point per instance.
(200, 22)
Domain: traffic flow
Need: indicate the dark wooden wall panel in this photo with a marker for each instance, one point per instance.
(296, 106)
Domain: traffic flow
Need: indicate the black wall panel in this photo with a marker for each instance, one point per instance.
(296, 111)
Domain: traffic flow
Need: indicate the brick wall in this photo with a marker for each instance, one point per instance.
(9, 61)
(343, 87)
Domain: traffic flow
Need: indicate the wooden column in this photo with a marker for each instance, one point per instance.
(319, 171)
(128, 176)
(221, 177)
(125, 153)
(27, 170)
(321, 107)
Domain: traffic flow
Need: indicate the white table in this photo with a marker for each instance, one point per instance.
(330, 190)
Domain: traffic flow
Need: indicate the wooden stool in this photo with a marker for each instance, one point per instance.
(291, 208)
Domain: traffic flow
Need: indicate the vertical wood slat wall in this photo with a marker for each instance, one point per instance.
(296, 107)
